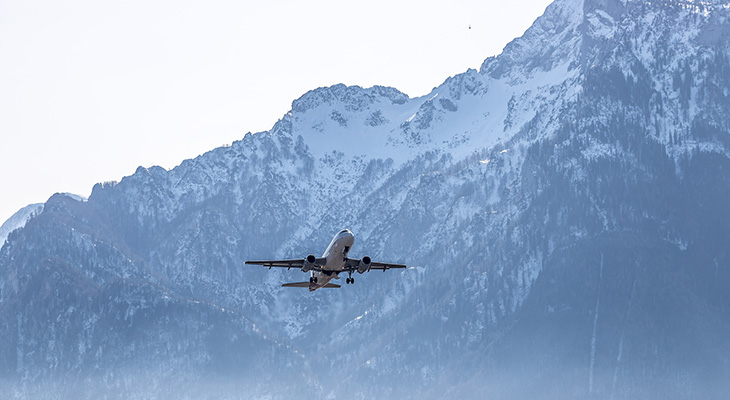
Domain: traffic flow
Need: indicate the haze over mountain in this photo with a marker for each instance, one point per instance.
(564, 210)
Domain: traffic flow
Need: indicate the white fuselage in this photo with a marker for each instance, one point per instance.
(335, 255)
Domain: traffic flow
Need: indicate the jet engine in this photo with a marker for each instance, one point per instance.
(364, 265)
(308, 263)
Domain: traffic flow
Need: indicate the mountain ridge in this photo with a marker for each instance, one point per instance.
(563, 218)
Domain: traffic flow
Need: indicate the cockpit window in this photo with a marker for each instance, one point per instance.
(343, 231)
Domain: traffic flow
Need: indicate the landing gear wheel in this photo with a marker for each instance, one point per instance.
(315, 279)
(311, 280)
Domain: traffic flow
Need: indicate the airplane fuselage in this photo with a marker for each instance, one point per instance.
(336, 254)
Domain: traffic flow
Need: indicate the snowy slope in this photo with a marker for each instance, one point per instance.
(18, 220)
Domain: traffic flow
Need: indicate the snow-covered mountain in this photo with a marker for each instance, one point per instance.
(18, 220)
(22, 216)
(563, 209)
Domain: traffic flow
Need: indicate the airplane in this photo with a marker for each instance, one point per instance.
(333, 262)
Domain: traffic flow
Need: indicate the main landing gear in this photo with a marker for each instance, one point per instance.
(313, 279)
(350, 280)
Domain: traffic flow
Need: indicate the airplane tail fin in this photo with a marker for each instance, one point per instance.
(306, 285)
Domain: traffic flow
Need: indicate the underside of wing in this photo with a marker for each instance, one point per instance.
(306, 285)
(279, 263)
(384, 266)
(352, 264)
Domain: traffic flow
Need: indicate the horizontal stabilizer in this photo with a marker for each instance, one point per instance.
(306, 285)
(296, 284)
(331, 286)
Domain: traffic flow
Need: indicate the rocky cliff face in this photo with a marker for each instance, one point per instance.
(563, 209)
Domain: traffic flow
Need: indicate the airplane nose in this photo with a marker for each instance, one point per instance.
(346, 233)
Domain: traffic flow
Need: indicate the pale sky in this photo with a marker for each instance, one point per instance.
(92, 89)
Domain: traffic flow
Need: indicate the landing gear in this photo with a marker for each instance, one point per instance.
(313, 279)
(350, 280)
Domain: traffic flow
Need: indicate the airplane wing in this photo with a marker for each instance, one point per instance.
(306, 285)
(350, 265)
(279, 263)
(297, 263)
(384, 266)
(353, 263)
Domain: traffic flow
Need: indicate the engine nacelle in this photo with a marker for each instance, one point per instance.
(308, 263)
(364, 265)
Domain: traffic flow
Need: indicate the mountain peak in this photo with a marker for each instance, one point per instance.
(549, 41)
(355, 98)
(18, 220)
(586, 31)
